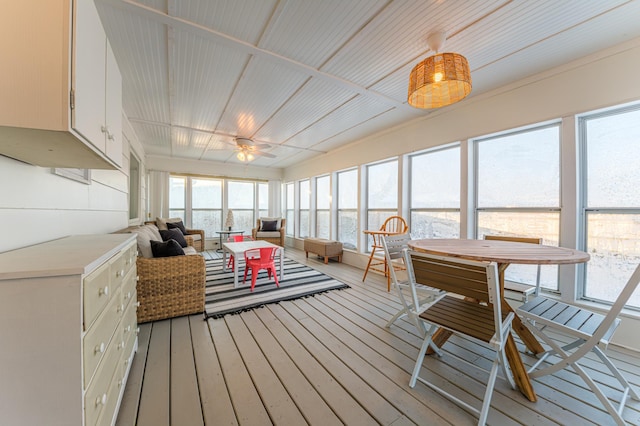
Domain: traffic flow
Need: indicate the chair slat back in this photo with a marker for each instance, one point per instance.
(617, 306)
(459, 276)
(528, 240)
(393, 246)
(469, 278)
(395, 224)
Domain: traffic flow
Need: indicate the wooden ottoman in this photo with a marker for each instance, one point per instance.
(324, 248)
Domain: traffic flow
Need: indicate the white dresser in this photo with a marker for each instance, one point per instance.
(68, 330)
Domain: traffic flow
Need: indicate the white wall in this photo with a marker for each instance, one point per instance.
(37, 205)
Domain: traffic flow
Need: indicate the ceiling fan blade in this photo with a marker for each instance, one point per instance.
(263, 154)
(251, 143)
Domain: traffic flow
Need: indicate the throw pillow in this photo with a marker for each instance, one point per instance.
(179, 225)
(173, 234)
(269, 225)
(277, 219)
(166, 248)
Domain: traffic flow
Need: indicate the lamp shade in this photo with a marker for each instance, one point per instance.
(439, 80)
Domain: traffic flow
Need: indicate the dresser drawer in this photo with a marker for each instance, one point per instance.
(108, 411)
(129, 327)
(129, 288)
(96, 293)
(96, 341)
(98, 395)
(117, 270)
(129, 254)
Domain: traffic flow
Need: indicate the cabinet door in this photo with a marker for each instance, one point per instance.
(89, 74)
(113, 109)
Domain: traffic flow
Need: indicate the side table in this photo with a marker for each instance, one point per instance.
(226, 234)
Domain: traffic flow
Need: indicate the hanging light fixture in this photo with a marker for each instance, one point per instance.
(245, 155)
(441, 79)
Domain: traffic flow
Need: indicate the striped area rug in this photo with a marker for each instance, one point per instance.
(298, 281)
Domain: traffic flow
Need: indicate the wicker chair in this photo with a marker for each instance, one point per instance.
(272, 236)
(170, 286)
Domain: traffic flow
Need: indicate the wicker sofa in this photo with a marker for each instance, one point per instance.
(275, 237)
(168, 286)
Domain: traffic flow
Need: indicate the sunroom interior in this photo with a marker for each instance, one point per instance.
(544, 147)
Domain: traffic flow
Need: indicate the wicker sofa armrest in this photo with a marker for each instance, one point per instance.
(170, 286)
(196, 243)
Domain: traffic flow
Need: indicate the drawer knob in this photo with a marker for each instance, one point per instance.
(137, 304)
(99, 349)
(128, 296)
(137, 330)
(101, 400)
(121, 345)
(128, 329)
(120, 308)
(104, 291)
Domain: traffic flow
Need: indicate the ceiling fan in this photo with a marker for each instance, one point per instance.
(247, 149)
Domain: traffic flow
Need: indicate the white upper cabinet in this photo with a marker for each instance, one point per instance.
(61, 88)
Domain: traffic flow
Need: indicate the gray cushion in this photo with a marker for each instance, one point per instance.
(277, 219)
(143, 238)
(174, 234)
(153, 230)
(268, 234)
(177, 225)
(161, 223)
(268, 225)
(166, 248)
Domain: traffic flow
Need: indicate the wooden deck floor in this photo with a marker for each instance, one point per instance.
(328, 360)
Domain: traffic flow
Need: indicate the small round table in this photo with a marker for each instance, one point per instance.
(226, 234)
(503, 253)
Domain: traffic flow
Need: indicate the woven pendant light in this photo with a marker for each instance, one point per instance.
(439, 80)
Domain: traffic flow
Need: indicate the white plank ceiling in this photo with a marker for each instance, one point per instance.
(307, 76)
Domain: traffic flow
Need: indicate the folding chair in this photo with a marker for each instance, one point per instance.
(483, 323)
(421, 296)
(589, 330)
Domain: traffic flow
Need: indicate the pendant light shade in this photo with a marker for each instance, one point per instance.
(439, 80)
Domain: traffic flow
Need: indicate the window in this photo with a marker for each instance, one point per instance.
(518, 192)
(323, 206)
(240, 199)
(304, 192)
(206, 205)
(611, 206)
(177, 200)
(347, 225)
(263, 200)
(435, 194)
(290, 212)
(382, 194)
(134, 187)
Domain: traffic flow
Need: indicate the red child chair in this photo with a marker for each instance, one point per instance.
(236, 239)
(260, 258)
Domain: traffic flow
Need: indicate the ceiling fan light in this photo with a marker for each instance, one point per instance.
(241, 156)
(249, 156)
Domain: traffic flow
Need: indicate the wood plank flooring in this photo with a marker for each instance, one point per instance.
(329, 360)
